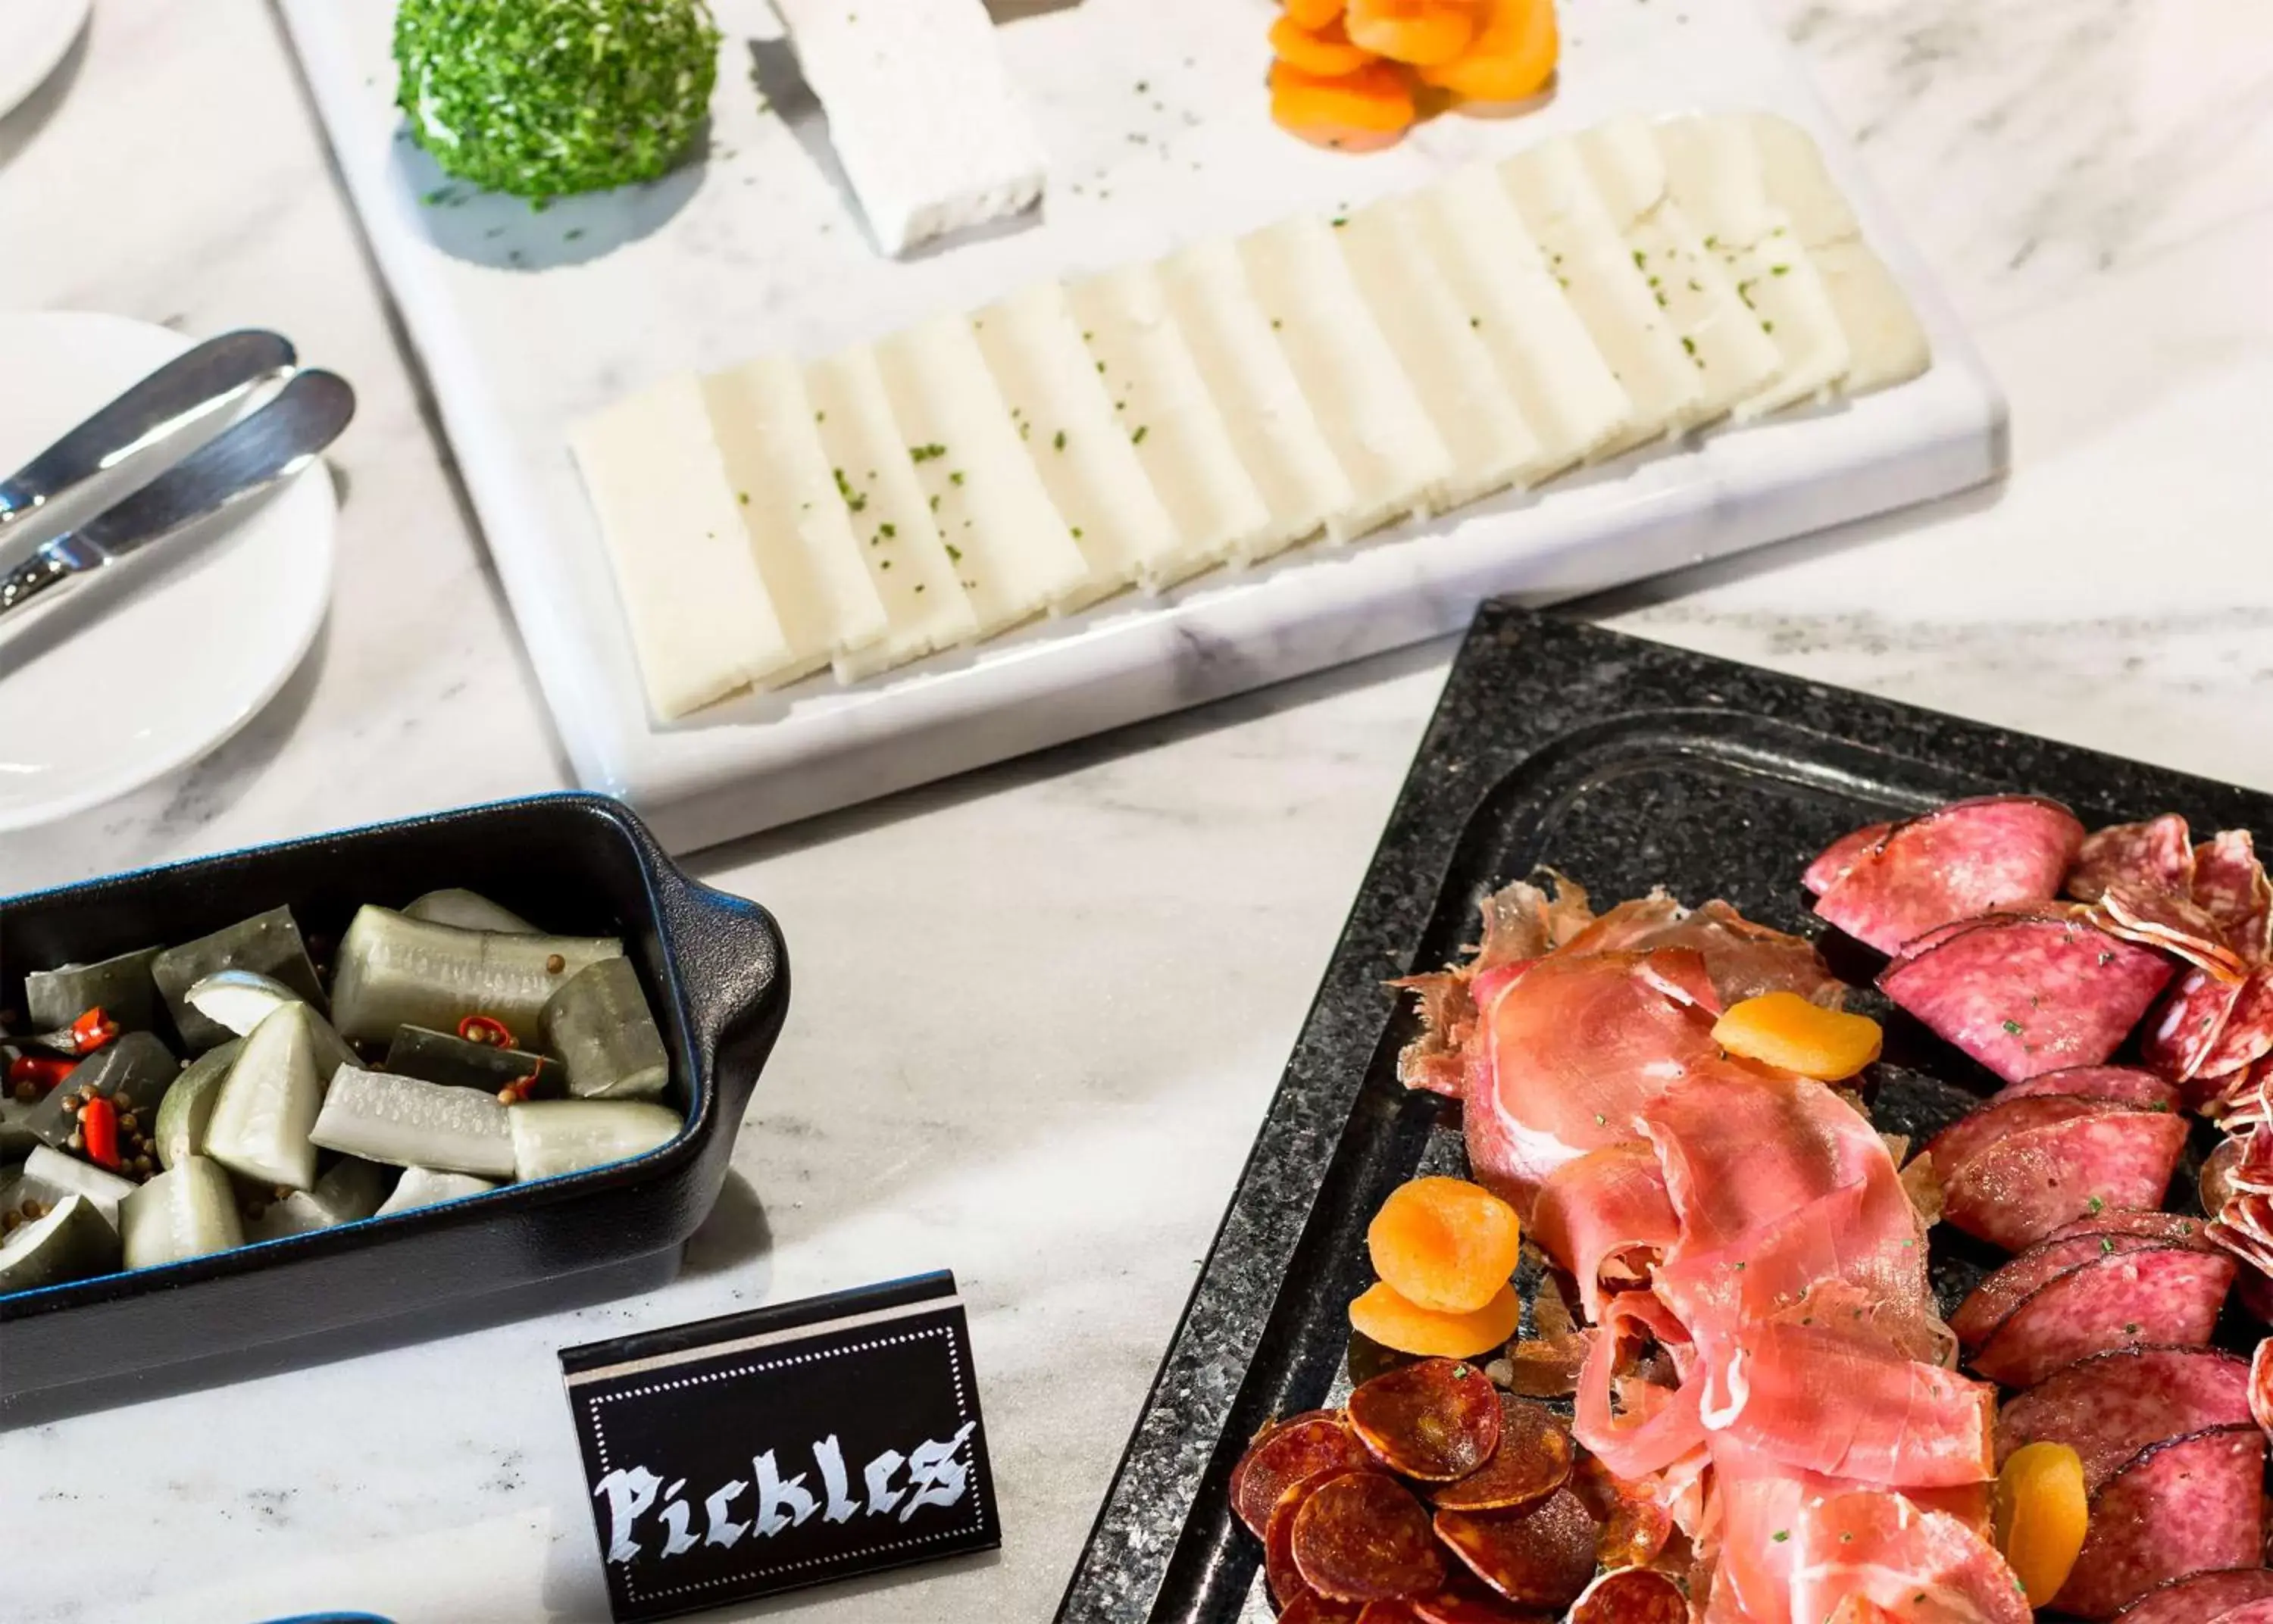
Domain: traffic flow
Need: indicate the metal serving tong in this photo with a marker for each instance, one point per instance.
(193, 386)
(270, 443)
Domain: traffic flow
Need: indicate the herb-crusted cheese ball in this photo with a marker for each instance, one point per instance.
(541, 98)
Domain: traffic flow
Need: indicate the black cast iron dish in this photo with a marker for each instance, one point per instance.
(1626, 765)
(715, 972)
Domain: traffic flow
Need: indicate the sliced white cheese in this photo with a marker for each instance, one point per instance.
(1558, 202)
(1379, 431)
(1575, 406)
(1735, 357)
(798, 529)
(1886, 345)
(1272, 429)
(1013, 552)
(1439, 342)
(925, 606)
(700, 619)
(1138, 352)
(1079, 443)
(1714, 173)
(921, 112)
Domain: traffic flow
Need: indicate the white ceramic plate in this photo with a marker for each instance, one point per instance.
(35, 35)
(188, 652)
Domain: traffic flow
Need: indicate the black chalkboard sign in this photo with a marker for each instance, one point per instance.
(785, 1447)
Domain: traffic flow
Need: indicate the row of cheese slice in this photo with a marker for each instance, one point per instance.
(1319, 377)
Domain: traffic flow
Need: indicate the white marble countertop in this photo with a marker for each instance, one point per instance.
(2093, 183)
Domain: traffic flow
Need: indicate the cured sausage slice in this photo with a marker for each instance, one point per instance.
(1362, 1536)
(2110, 1407)
(1953, 863)
(2124, 1084)
(1437, 1419)
(2025, 997)
(1541, 1557)
(2231, 885)
(2201, 1597)
(2183, 1507)
(1635, 1527)
(1992, 1302)
(2026, 1184)
(1279, 1572)
(1974, 1132)
(1464, 1600)
(2157, 855)
(1311, 1608)
(1632, 1596)
(2164, 1295)
(1532, 1462)
(1303, 1446)
(2260, 1385)
(2186, 1028)
(2173, 1227)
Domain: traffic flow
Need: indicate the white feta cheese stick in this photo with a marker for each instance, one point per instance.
(1735, 357)
(1566, 214)
(700, 621)
(1715, 174)
(797, 524)
(1569, 397)
(1138, 352)
(921, 113)
(1079, 443)
(1888, 344)
(1273, 431)
(1439, 342)
(1012, 551)
(925, 606)
(1373, 419)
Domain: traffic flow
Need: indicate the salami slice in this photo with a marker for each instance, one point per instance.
(1362, 1536)
(2259, 1612)
(1532, 1462)
(2025, 997)
(1286, 1581)
(2026, 1184)
(2176, 925)
(2157, 855)
(2165, 1295)
(2181, 1508)
(1541, 1557)
(2185, 1030)
(2201, 1598)
(2176, 1228)
(2231, 885)
(2246, 1036)
(1437, 1421)
(1635, 1528)
(2125, 1085)
(1974, 1132)
(1303, 1446)
(2110, 1407)
(2260, 1385)
(1959, 860)
(1632, 1596)
(1992, 1302)
(1842, 854)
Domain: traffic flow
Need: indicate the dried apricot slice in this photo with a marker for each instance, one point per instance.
(1512, 56)
(1384, 1314)
(1325, 50)
(1784, 1030)
(1359, 112)
(2041, 1516)
(1445, 1243)
(1313, 13)
(1420, 32)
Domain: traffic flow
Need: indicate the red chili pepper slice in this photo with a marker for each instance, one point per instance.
(98, 1125)
(92, 1031)
(485, 1029)
(41, 1071)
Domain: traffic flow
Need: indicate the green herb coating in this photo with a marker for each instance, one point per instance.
(541, 98)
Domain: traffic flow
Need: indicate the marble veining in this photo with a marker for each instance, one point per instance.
(1041, 1009)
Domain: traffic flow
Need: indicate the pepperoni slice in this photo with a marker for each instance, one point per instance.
(1438, 1420)
(1539, 1558)
(1635, 1528)
(1398, 1612)
(1468, 1602)
(1311, 1608)
(1304, 1445)
(1532, 1462)
(1632, 1596)
(1363, 1536)
(1279, 1571)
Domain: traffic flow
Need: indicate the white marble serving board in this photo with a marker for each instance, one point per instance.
(1155, 118)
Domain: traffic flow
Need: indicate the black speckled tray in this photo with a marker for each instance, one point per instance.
(1626, 765)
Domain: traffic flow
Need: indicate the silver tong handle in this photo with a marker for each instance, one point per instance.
(185, 388)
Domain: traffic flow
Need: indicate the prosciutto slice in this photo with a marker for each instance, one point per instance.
(1607, 1215)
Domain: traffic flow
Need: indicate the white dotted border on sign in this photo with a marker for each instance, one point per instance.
(758, 1367)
